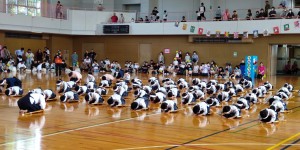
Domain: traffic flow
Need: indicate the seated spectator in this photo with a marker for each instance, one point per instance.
(147, 19)
(226, 15)
(262, 14)
(284, 13)
(288, 68)
(100, 7)
(298, 15)
(114, 18)
(198, 16)
(234, 15)
(295, 68)
(141, 20)
(257, 15)
(183, 19)
(272, 13)
(249, 15)
(221, 72)
(290, 14)
(282, 4)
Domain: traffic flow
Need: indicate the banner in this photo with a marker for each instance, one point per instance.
(218, 33)
(167, 51)
(266, 32)
(192, 29)
(245, 34)
(200, 31)
(296, 24)
(255, 33)
(235, 35)
(276, 30)
(184, 26)
(286, 27)
(208, 33)
(226, 34)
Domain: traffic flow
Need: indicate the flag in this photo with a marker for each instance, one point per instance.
(176, 24)
(235, 35)
(286, 27)
(255, 33)
(226, 34)
(218, 33)
(296, 23)
(200, 31)
(192, 29)
(266, 32)
(184, 26)
(276, 30)
(245, 34)
(208, 33)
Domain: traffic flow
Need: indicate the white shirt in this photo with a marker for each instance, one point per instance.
(141, 102)
(203, 106)
(69, 96)
(76, 74)
(48, 93)
(37, 98)
(21, 65)
(171, 105)
(95, 96)
(196, 69)
(90, 78)
(117, 98)
(278, 104)
(15, 89)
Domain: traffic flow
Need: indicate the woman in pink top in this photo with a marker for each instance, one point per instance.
(261, 71)
(226, 15)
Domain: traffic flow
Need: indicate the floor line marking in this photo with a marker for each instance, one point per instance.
(292, 144)
(284, 141)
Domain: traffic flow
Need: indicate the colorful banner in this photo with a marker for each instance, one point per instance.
(184, 26)
(226, 34)
(167, 51)
(276, 30)
(200, 31)
(286, 27)
(235, 35)
(218, 33)
(192, 29)
(255, 34)
(245, 34)
(208, 33)
(251, 66)
(296, 24)
(266, 32)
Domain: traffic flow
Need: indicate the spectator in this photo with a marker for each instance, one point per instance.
(114, 18)
(165, 16)
(198, 16)
(288, 68)
(218, 14)
(74, 58)
(19, 54)
(295, 68)
(226, 15)
(249, 15)
(267, 7)
(195, 57)
(284, 13)
(272, 13)
(161, 58)
(187, 58)
(100, 7)
(282, 4)
(47, 54)
(298, 15)
(183, 19)
(261, 71)
(290, 14)
(122, 19)
(58, 62)
(29, 58)
(147, 19)
(261, 14)
(86, 54)
(39, 55)
(202, 11)
(257, 15)
(234, 15)
(155, 13)
(92, 55)
(5, 54)
(59, 10)
(242, 67)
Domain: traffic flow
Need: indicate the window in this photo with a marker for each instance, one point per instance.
(24, 7)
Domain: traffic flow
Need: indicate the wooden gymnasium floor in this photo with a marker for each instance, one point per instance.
(78, 126)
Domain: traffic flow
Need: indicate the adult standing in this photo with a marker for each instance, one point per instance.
(122, 19)
(161, 58)
(39, 55)
(19, 54)
(202, 11)
(58, 64)
(47, 54)
(114, 18)
(29, 58)
(261, 71)
(5, 54)
(242, 67)
(267, 7)
(74, 57)
(195, 57)
(92, 55)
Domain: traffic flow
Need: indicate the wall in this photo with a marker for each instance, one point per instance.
(16, 43)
